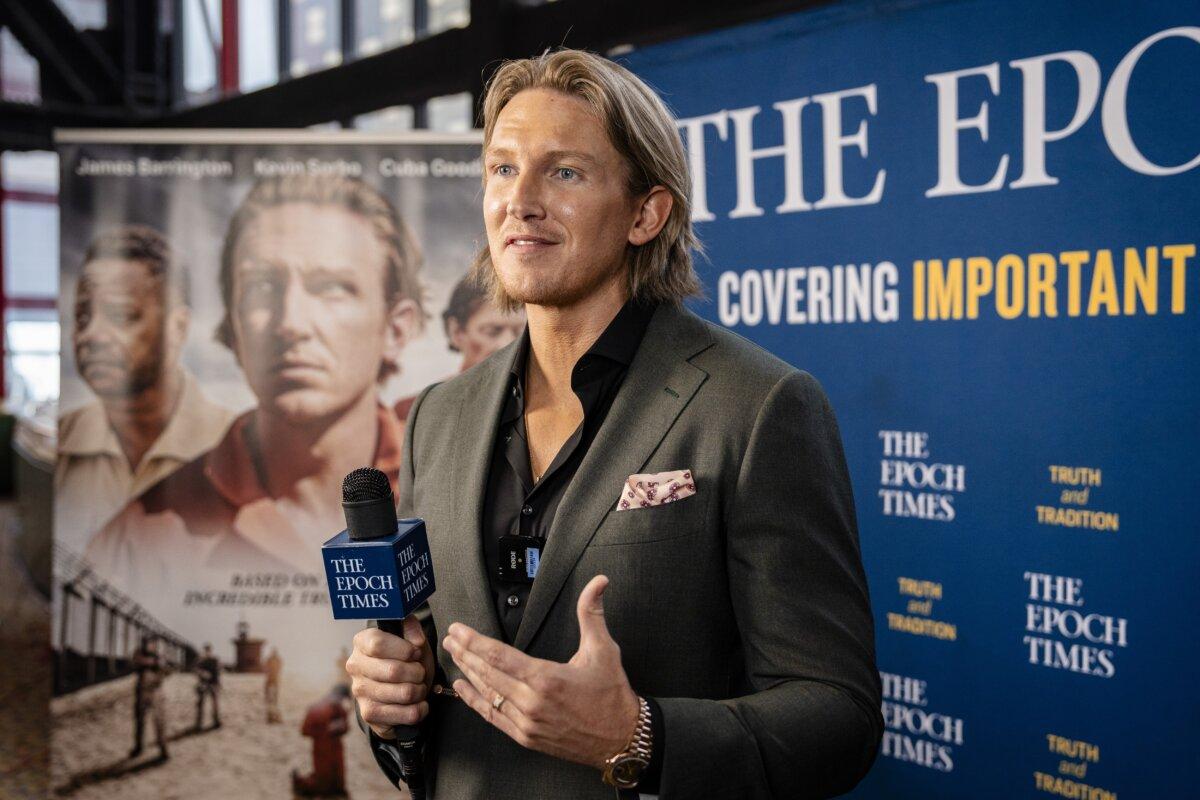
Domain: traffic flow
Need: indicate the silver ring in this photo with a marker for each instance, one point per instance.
(498, 701)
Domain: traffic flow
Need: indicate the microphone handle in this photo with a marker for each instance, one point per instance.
(408, 737)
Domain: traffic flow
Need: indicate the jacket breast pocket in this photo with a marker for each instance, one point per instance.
(686, 517)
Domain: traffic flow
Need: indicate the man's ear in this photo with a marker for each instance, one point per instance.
(653, 211)
(455, 334)
(403, 324)
(176, 330)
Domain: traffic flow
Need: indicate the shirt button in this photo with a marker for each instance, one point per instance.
(507, 438)
(527, 510)
(513, 601)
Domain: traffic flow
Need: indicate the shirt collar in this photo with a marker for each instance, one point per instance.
(90, 434)
(232, 469)
(87, 433)
(194, 415)
(618, 342)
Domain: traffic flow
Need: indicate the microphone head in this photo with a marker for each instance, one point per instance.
(366, 483)
(368, 503)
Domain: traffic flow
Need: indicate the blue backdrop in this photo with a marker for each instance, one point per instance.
(999, 293)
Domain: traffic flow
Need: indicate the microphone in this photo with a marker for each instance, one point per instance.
(379, 568)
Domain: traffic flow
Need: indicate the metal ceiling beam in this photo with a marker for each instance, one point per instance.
(29, 127)
(453, 61)
(589, 25)
(73, 65)
(405, 75)
(461, 59)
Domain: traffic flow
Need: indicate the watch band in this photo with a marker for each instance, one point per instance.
(643, 736)
(625, 768)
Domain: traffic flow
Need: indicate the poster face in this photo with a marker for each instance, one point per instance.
(976, 224)
(246, 318)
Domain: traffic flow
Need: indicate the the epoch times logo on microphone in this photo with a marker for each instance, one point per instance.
(912, 483)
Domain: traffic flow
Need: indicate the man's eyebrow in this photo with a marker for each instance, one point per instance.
(571, 155)
(327, 271)
(552, 155)
(258, 265)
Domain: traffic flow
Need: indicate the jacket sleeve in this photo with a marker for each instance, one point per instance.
(386, 754)
(810, 723)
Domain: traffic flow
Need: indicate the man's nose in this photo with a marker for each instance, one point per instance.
(525, 197)
(508, 335)
(294, 317)
(96, 331)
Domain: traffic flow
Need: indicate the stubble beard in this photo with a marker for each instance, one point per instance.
(557, 292)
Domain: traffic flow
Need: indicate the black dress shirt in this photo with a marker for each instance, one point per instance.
(516, 505)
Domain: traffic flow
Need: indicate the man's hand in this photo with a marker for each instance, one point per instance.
(390, 676)
(583, 711)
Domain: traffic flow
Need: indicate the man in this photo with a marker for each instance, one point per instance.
(273, 667)
(325, 723)
(208, 686)
(319, 280)
(697, 624)
(149, 417)
(475, 327)
(150, 669)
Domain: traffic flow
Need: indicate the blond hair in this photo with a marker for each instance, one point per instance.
(643, 131)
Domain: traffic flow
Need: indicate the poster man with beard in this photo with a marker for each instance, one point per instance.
(149, 417)
(320, 289)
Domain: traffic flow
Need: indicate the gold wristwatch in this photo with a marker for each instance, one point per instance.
(625, 769)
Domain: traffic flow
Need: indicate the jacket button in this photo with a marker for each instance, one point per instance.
(527, 510)
(513, 601)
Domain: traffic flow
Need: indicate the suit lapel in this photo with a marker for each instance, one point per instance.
(478, 420)
(658, 386)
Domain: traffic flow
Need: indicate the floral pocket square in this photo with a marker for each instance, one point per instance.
(656, 489)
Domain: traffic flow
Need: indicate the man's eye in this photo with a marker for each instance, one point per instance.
(566, 173)
(120, 314)
(260, 285)
(333, 288)
(504, 169)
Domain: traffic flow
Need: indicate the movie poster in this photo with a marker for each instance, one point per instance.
(246, 317)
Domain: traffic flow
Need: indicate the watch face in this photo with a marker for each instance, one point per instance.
(627, 771)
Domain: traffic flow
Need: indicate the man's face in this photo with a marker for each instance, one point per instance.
(485, 332)
(556, 202)
(120, 328)
(311, 326)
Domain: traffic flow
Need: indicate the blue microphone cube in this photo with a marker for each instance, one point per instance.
(384, 578)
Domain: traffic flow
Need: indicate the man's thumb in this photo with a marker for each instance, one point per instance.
(592, 628)
(413, 632)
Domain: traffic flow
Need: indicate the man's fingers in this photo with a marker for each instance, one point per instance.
(508, 660)
(488, 679)
(385, 670)
(379, 644)
(379, 715)
(483, 707)
(389, 693)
